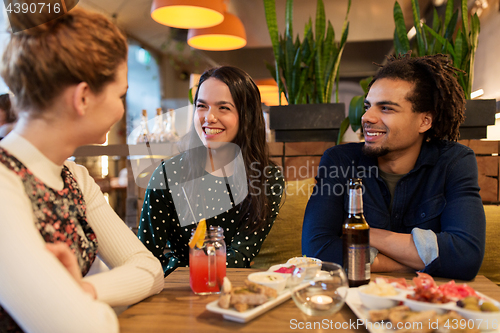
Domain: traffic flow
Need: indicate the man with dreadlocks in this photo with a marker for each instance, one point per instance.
(421, 195)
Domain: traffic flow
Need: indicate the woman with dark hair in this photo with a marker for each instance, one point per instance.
(68, 78)
(223, 174)
(7, 116)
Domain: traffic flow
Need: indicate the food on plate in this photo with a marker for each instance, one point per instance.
(399, 283)
(304, 260)
(426, 290)
(428, 321)
(453, 290)
(267, 278)
(379, 315)
(244, 298)
(379, 288)
(489, 307)
(307, 267)
(270, 279)
(475, 304)
(285, 270)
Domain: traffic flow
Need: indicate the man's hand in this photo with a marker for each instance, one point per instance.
(63, 253)
(398, 247)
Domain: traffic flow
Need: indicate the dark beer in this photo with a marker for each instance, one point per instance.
(356, 238)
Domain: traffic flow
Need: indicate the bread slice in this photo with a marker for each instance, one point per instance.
(244, 298)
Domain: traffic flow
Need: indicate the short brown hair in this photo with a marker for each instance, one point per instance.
(5, 105)
(80, 46)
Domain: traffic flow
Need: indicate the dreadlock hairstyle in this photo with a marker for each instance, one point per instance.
(436, 90)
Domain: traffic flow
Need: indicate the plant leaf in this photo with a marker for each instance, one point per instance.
(272, 27)
(343, 128)
(451, 27)
(421, 42)
(289, 57)
(465, 18)
(400, 35)
(448, 12)
(320, 20)
(356, 111)
(475, 29)
(289, 18)
(449, 47)
(364, 83)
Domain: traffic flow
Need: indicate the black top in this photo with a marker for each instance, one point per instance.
(159, 226)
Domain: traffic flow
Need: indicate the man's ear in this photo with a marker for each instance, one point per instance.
(426, 123)
(81, 97)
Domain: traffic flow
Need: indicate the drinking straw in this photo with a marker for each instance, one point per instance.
(189, 205)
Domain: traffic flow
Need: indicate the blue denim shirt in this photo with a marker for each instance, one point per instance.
(440, 197)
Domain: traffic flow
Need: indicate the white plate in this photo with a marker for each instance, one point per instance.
(243, 317)
(361, 311)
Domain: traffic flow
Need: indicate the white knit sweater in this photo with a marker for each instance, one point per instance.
(35, 288)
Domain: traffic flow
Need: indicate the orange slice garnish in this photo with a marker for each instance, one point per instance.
(199, 235)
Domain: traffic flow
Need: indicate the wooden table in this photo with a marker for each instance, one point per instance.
(178, 309)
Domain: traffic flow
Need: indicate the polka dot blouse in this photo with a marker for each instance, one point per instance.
(161, 232)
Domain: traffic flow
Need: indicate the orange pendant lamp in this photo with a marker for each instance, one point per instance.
(269, 92)
(228, 35)
(186, 14)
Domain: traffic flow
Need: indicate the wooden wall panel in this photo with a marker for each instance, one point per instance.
(275, 148)
(484, 147)
(487, 165)
(306, 148)
(489, 188)
(301, 167)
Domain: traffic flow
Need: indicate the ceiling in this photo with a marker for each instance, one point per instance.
(370, 37)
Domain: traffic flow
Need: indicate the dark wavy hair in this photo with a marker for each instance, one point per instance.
(251, 138)
(435, 90)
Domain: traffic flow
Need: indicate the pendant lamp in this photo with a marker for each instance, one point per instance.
(186, 14)
(269, 92)
(228, 35)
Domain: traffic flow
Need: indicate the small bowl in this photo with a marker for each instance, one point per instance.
(440, 308)
(270, 279)
(485, 321)
(375, 302)
(312, 265)
(286, 275)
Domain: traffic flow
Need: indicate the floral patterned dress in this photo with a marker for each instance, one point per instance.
(60, 216)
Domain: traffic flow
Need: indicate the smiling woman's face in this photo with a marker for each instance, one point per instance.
(216, 117)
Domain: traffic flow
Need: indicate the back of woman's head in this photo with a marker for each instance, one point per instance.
(40, 62)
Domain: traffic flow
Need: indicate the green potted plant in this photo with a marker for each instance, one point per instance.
(306, 71)
(445, 36)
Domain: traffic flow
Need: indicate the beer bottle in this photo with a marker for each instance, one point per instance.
(356, 238)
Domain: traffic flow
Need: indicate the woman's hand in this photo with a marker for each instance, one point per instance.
(63, 253)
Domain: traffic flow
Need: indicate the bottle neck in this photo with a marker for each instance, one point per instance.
(355, 201)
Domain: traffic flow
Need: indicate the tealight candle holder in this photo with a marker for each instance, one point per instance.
(324, 294)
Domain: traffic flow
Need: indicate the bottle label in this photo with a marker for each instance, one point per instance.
(358, 267)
